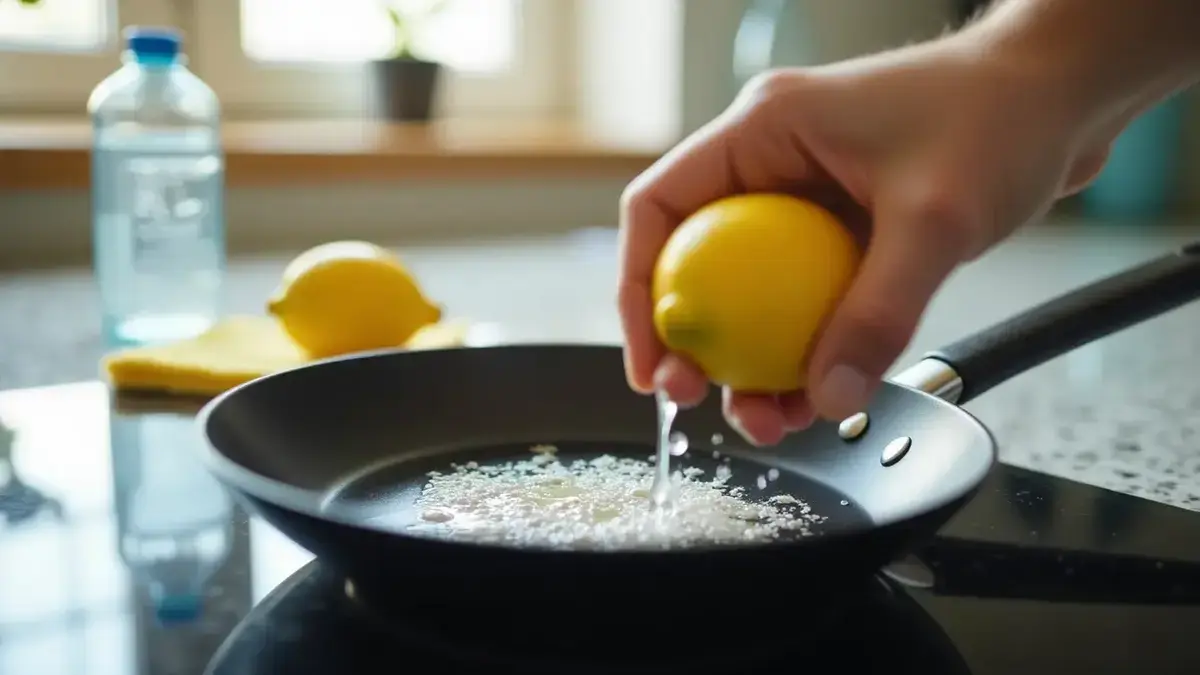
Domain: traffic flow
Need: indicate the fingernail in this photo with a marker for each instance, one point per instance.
(740, 428)
(844, 388)
(660, 378)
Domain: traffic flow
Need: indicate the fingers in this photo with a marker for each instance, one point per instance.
(682, 381)
(739, 151)
(798, 413)
(906, 261)
(756, 417)
(765, 419)
(689, 176)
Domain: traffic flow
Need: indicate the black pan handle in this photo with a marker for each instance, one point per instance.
(975, 569)
(993, 355)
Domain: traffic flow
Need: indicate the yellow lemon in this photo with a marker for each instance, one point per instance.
(743, 286)
(349, 296)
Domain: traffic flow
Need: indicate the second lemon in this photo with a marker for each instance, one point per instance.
(350, 296)
(744, 285)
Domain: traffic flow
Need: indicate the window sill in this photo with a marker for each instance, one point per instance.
(53, 153)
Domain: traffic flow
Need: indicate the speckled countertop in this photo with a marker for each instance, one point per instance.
(1123, 413)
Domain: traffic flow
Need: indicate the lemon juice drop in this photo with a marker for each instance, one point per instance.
(677, 443)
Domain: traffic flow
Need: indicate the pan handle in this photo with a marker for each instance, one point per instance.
(973, 365)
(975, 569)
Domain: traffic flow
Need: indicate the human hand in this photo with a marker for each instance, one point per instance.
(932, 154)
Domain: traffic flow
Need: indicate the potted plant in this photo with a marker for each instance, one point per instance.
(406, 84)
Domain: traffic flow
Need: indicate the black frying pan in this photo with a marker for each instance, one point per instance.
(323, 451)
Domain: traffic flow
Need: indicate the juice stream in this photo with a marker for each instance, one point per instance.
(660, 490)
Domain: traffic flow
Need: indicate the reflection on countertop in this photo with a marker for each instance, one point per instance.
(137, 560)
(1122, 414)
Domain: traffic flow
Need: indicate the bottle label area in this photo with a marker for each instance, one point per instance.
(172, 210)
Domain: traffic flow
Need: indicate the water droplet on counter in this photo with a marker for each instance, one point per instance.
(773, 474)
(845, 502)
(718, 439)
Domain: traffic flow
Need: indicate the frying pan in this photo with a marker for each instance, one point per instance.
(333, 454)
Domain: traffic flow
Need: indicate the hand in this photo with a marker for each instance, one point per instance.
(932, 154)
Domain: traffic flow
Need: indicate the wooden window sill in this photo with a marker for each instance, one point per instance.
(49, 153)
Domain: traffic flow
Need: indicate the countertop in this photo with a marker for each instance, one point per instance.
(120, 555)
(1121, 414)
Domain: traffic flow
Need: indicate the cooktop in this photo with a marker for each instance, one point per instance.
(119, 556)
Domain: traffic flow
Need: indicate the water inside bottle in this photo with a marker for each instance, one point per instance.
(159, 243)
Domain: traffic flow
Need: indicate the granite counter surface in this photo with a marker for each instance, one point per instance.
(1123, 413)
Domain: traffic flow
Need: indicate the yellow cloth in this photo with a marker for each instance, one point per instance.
(235, 350)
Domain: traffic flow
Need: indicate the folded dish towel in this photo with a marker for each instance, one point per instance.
(235, 350)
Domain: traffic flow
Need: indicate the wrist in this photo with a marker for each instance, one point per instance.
(1095, 66)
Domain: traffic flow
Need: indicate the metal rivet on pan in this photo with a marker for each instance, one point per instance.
(895, 450)
(853, 426)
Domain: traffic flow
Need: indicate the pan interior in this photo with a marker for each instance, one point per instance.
(386, 496)
(353, 438)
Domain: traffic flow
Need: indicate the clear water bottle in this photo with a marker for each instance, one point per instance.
(157, 195)
(174, 520)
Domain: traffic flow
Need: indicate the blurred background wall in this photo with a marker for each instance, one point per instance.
(692, 41)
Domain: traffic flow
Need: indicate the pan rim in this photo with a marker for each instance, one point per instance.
(308, 502)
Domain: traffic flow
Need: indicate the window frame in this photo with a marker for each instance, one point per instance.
(532, 87)
(61, 80)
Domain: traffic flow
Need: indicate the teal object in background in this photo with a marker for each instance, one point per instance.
(1140, 179)
(773, 33)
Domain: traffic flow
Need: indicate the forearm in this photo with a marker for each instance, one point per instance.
(1109, 59)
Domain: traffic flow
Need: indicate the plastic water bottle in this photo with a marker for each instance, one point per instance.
(157, 195)
(174, 520)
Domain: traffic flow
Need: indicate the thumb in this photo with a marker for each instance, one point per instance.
(906, 262)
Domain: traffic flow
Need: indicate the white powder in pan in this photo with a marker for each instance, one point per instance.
(602, 503)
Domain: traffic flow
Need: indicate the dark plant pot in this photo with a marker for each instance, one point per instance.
(406, 88)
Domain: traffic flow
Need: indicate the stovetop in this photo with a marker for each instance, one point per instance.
(119, 556)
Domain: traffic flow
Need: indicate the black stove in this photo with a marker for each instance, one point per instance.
(327, 628)
(1038, 575)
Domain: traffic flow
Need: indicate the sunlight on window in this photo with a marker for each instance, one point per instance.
(56, 25)
(467, 35)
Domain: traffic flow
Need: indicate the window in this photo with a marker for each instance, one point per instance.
(81, 25)
(474, 36)
(291, 56)
(53, 53)
(308, 55)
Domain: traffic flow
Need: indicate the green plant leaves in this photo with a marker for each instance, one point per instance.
(406, 17)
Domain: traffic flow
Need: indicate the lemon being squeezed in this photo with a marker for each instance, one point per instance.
(744, 285)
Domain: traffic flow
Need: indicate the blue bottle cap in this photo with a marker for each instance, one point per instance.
(177, 609)
(153, 44)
